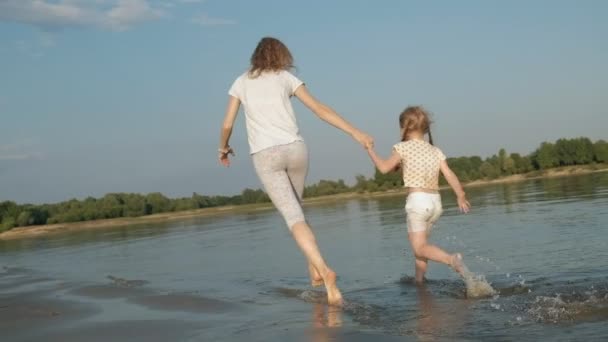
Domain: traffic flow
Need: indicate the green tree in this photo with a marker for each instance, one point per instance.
(488, 170)
(462, 168)
(508, 166)
(254, 196)
(506, 163)
(360, 183)
(522, 164)
(546, 156)
(389, 180)
(157, 203)
(583, 151)
(110, 206)
(25, 219)
(565, 150)
(7, 223)
(8, 210)
(600, 151)
(201, 201)
(181, 204)
(134, 205)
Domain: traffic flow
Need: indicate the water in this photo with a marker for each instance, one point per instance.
(541, 244)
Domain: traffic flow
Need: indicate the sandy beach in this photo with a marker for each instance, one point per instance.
(33, 231)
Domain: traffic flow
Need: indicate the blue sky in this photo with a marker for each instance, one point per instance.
(103, 96)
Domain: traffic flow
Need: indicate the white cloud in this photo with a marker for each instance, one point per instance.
(174, 3)
(205, 20)
(129, 12)
(106, 14)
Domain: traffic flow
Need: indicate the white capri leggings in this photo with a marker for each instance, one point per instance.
(282, 170)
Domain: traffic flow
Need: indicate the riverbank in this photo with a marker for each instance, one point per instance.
(33, 231)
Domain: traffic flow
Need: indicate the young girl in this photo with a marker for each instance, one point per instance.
(279, 154)
(420, 163)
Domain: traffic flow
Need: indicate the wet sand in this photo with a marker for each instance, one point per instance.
(34, 308)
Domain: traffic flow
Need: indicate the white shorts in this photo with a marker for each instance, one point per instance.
(422, 210)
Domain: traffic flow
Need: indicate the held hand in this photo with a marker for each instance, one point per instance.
(463, 204)
(364, 139)
(223, 156)
(369, 145)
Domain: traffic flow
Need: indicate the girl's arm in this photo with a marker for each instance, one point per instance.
(463, 204)
(330, 116)
(231, 112)
(384, 165)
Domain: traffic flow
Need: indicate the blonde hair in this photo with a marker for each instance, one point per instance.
(270, 55)
(415, 118)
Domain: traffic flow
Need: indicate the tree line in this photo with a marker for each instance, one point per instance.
(563, 152)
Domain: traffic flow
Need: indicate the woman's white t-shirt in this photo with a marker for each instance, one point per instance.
(269, 114)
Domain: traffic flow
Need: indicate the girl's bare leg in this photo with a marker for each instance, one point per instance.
(308, 244)
(424, 250)
(421, 266)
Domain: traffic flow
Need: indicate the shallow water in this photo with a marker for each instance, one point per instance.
(541, 244)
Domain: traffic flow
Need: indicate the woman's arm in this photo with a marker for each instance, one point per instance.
(231, 112)
(330, 116)
(384, 165)
(453, 181)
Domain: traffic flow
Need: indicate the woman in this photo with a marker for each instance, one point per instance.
(278, 151)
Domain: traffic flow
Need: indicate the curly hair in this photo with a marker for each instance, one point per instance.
(270, 55)
(415, 118)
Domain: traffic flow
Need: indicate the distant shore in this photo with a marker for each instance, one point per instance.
(33, 231)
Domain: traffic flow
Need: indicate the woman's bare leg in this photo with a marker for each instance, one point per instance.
(315, 277)
(308, 244)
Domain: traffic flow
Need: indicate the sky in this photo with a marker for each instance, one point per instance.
(100, 96)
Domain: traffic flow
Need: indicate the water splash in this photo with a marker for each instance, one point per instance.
(587, 306)
(477, 285)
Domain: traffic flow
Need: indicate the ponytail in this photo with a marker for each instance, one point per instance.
(430, 136)
(404, 136)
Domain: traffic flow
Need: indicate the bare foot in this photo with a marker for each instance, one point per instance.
(456, 264)
(315, 278)
(316, 282)
(420, 282)
(334, 297)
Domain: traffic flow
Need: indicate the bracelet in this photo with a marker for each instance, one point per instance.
(226, 150)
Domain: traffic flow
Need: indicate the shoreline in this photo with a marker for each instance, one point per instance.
(34, 231)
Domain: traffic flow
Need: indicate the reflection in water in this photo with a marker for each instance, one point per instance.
(324, 317)
(435, 319)
(507, 197)
(88, 236)
(556, 188)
